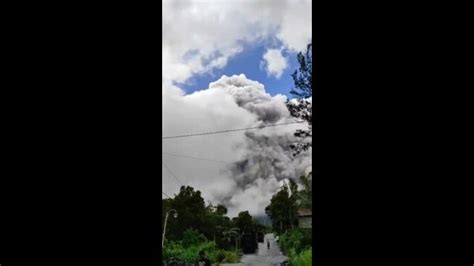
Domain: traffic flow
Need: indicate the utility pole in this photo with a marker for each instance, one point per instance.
(166, 220)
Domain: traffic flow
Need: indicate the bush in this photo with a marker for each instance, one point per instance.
(231, 257)
(220, 255)
(190, 254)
(178, 252)
(192, 237)
(296, 244)
(298, 239)
(302, 259)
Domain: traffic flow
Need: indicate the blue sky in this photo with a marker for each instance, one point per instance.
(199, 36)
(248, 62)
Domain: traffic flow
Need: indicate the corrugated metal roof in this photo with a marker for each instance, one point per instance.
(304, 212)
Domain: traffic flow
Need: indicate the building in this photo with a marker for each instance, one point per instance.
(305, 218)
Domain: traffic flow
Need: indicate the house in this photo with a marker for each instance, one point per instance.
(304, 218)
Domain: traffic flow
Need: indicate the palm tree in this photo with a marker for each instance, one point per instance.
(231, 233)
(218, 229)
(293, 197)
(307, 193)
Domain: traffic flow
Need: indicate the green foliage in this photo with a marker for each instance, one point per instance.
(306, 195)
(303, 77)
(303, 258)
(190, 254)
(231, 257)
(297, 239)
(221, 209)
(245, 222)
(224, 256)
(286, 202)
(297, 245)
(302, 198)
(210, 221)
(191, 213)
(192, 237)
(282, 210)
(201, 227)
(302, 108)
(220, 255)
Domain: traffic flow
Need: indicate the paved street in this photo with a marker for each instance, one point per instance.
(264, 256)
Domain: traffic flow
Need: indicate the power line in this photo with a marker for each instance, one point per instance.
(165, 194)
(195, 158)
(229, 130)
(171, 172)
(177, 180)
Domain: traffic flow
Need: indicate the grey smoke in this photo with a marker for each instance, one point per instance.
(197, 38)
(260, 159)
(268, 155)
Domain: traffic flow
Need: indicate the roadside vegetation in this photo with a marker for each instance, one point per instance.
(200, 227)
(205, 227)
(295, 242)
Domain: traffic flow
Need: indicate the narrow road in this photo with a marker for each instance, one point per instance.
(264, 256)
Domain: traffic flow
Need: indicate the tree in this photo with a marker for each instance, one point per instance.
(230, 234)
(191, 213)
(245, 222)
(301, 106)
(215, 222)
(282, 210)
(303, 78)
(293, 197)
(192, 237)
(221, 209)
(307, 193)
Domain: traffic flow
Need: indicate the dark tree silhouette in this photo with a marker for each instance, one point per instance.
(197, 221)
(281, 210)
(303, 78)
(301, 106)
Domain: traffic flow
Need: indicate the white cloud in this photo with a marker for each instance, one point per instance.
(199, 36)
(274, 62)
(295, 30)
(261, 155)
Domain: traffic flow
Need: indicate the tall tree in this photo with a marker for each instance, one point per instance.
(245, 222)
(301, 106)
(303, 77)
(231, 234)
(293, 197)
(221, 209)
(281, 210)
(191, 213)
(307, 192)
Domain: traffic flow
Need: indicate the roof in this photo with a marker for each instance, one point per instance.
(304, 212)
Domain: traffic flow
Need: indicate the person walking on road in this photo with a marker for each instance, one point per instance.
(268, 244)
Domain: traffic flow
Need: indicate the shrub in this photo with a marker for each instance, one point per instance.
(299, 239)
(220, 255)
(302, 259)
(296, 244)
(192, 237)
(231, 257)
(190, 254)
(210, 249)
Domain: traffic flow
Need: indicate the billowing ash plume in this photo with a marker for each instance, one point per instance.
(268, 155)
(199, 37)
(251, 96)
(259, 159)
